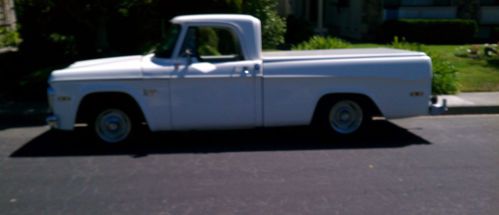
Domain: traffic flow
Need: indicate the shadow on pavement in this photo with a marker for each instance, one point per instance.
(383, 134)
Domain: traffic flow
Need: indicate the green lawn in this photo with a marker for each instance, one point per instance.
(473, 74)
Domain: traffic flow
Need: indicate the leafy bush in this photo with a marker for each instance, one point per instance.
(9, 37)
(273, 26)
(444, 79)
(439, 31)
(403, 44)
(319, 42)
(444, 76)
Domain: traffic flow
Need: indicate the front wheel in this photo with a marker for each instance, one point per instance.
(112, 125)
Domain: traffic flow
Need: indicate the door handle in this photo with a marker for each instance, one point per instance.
(242, 72)
(245, 71)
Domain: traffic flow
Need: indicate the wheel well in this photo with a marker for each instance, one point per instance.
(365, 101)
(91, 101)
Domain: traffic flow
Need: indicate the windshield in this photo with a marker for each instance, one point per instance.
(165, 48)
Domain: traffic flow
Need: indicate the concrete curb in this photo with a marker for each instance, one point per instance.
(462, 110)
(472, 103)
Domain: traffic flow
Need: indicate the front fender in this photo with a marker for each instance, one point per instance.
(67, 97)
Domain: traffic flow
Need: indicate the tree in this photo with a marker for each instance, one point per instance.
(73, 29)
(273, 26)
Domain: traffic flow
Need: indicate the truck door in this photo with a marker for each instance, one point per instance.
(217, 87)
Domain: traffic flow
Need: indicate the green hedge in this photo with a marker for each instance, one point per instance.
(320, 42)
(433, 31)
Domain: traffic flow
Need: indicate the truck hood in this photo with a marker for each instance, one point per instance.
(128, 67)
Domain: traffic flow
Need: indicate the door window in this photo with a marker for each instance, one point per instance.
(212, 44)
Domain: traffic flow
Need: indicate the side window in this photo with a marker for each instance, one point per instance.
(212, 44)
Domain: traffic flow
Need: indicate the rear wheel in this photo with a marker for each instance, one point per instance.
(344, 117)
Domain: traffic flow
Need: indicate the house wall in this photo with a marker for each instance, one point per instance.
(347, 18)
(7, 13)
(344, 20)
(489, 15)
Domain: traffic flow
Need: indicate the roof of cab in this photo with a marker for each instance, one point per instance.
(247, 27)
(215, 17)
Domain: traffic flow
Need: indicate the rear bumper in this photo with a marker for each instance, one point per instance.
(437, 108)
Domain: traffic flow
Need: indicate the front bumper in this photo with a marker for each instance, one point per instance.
(437, 108)
(53, 121)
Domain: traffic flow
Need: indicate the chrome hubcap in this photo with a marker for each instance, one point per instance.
(345, 117)
(113, 125)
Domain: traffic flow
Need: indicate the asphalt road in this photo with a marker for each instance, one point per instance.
(429, 165)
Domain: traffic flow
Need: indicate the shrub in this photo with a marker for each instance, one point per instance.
(439, 31)
(402, 44)
(319, 42)
(273, 26)
(9, 37)
(444, 79)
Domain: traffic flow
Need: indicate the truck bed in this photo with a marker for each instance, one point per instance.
(277, 56)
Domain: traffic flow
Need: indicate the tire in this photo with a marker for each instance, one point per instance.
(111, 125)
(344, 117)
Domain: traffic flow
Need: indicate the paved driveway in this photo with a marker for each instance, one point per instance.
(427, 165)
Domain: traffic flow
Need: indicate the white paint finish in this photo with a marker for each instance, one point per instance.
(404, 68)
(153, 67)
(103, 61)
(77, 90)
(291, 96)
(203, 67)
(292, 101)
(226, 99)
(157, 107)
(281, 89)
(101, 69)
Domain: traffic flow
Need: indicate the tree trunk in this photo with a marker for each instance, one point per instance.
(101, 33)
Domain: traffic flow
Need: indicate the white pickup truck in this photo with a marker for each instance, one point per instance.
(212, 74)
